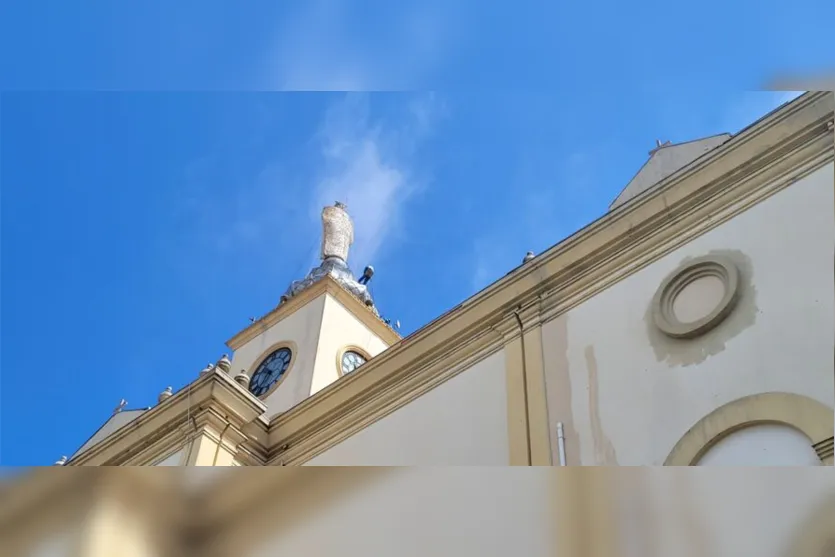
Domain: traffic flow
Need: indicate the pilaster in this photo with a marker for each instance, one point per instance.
(217, 440)
(528, 431)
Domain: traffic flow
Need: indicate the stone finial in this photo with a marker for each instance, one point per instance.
(61, 461)
(165, 395)
(224, 364)
(528, 257)
(659, 145)
(337, 232)
(207, 369)
(122, 404)
(242, 379)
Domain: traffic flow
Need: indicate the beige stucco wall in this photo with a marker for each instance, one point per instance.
(302, 328)
(627, 394)
(462, 422)
(405, 512)
(340, 328)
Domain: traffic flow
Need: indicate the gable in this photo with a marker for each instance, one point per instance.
(664, 161)
(116, 421)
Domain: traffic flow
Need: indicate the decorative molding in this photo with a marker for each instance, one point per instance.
(765, 158)
(807, 415)
(155, 431)
(663, 312)
(824, 448)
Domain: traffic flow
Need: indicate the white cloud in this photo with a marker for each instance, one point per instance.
(371, 167)
(318, 48)
(233, 214)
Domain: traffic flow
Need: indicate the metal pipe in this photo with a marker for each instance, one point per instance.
(220, 442)
(525, 384)
(561, 442)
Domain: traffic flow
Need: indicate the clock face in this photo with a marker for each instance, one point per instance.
(351, 360)
(270, 371)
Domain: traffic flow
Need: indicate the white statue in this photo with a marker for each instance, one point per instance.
(337, 232)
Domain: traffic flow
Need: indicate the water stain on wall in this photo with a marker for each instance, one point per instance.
(604, 451)
(686, 352)
(558, 389)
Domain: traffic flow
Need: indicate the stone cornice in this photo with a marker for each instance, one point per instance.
(325, 285)
(757, 162)
(214, 391)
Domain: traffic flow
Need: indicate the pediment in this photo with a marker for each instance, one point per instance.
(114, 423)
(664, 161)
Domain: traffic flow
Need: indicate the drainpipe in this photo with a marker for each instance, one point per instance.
(561, 442)
(524, 384)
(220, 442)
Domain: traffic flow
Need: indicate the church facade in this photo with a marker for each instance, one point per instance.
(692, 325)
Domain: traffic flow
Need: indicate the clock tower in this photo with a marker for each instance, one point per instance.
(325, 326)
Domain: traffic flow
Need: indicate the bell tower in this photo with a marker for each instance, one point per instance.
(325, 326)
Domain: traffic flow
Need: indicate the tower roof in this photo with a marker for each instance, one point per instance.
(337, 237)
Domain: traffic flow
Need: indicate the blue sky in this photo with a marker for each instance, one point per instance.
(143, 223)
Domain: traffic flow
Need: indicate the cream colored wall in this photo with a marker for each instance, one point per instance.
(675, 512)
(462, 422)
(339, 329)
(301, 327)
(413, 511)
(627, 395)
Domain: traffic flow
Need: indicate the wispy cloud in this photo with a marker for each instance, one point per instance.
(370, 165)
(318, 48)
(238, 211)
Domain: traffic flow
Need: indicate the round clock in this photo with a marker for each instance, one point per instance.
(270, 371)
(351, 360)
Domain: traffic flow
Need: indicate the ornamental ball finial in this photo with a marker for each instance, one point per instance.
(224, 364)
(242, 379)
(61, 461)
(208, 369)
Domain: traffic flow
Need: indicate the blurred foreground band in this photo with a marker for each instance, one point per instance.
(355, 512)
